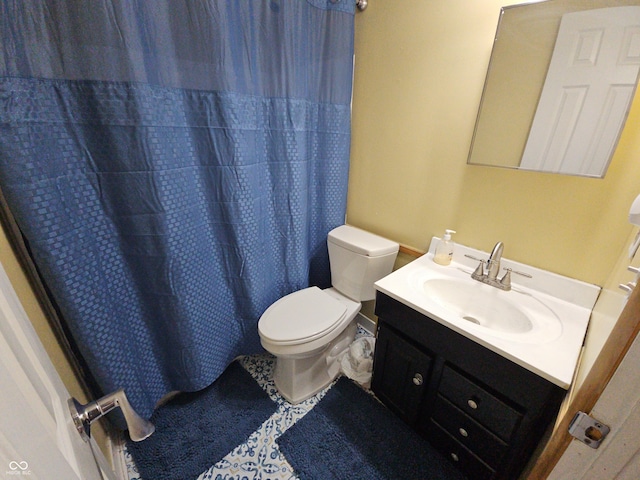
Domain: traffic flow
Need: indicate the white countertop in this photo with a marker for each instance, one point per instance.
(568, 300)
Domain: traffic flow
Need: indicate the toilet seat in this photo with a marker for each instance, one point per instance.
(301, 317)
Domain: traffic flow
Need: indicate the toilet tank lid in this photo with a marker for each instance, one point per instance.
(362, 242)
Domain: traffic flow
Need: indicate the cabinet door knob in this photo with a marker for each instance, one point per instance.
(417, 379)
(463, 432)
(472, 403)
(454, 457)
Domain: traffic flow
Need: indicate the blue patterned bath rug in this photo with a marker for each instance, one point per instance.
(196, 430)
(350, 435)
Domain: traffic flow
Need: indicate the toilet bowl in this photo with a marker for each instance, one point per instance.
(301, 329)
(307, 329)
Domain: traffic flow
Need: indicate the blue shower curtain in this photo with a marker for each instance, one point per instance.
(174, 166)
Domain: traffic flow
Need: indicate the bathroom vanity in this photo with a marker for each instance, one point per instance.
(485, 412)
(483, 394)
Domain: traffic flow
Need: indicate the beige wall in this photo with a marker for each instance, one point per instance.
(420, 68)
(419, 74)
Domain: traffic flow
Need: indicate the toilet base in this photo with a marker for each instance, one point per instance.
(298, 378)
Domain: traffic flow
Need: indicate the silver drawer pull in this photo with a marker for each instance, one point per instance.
(417, 379)
(454, 457)
(472, 403)
(463, 432)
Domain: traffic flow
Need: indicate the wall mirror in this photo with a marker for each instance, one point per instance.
(542, 107)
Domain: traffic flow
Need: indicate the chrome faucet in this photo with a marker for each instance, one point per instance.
(493, 264)
(490, 274)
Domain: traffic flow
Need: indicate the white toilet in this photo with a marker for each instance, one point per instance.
(306, 329)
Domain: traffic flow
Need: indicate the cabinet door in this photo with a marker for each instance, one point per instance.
(400, 374)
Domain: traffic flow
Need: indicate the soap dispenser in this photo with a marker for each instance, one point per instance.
(444, 250)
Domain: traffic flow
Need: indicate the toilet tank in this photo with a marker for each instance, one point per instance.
(358, 259)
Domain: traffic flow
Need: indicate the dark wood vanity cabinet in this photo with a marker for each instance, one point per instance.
(401, 379)
(484, 412)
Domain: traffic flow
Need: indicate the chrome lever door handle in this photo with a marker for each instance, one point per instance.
(83, 415)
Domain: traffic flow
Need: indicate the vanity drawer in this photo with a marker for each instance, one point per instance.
(458, 454)
(469, 432)
(479, 404)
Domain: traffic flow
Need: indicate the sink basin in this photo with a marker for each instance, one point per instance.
(481, 306)
(540, 324)
(474, 306)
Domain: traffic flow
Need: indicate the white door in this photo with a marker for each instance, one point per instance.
(611, 394)
(587, 92)
(618, 457)
(38, 439)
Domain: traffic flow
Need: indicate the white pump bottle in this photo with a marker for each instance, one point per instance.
(444, 250)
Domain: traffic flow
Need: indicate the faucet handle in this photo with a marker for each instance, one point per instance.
(522, 274)
(478, 273)
(506, 280)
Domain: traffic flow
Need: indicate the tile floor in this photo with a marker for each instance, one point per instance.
(259, 458)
